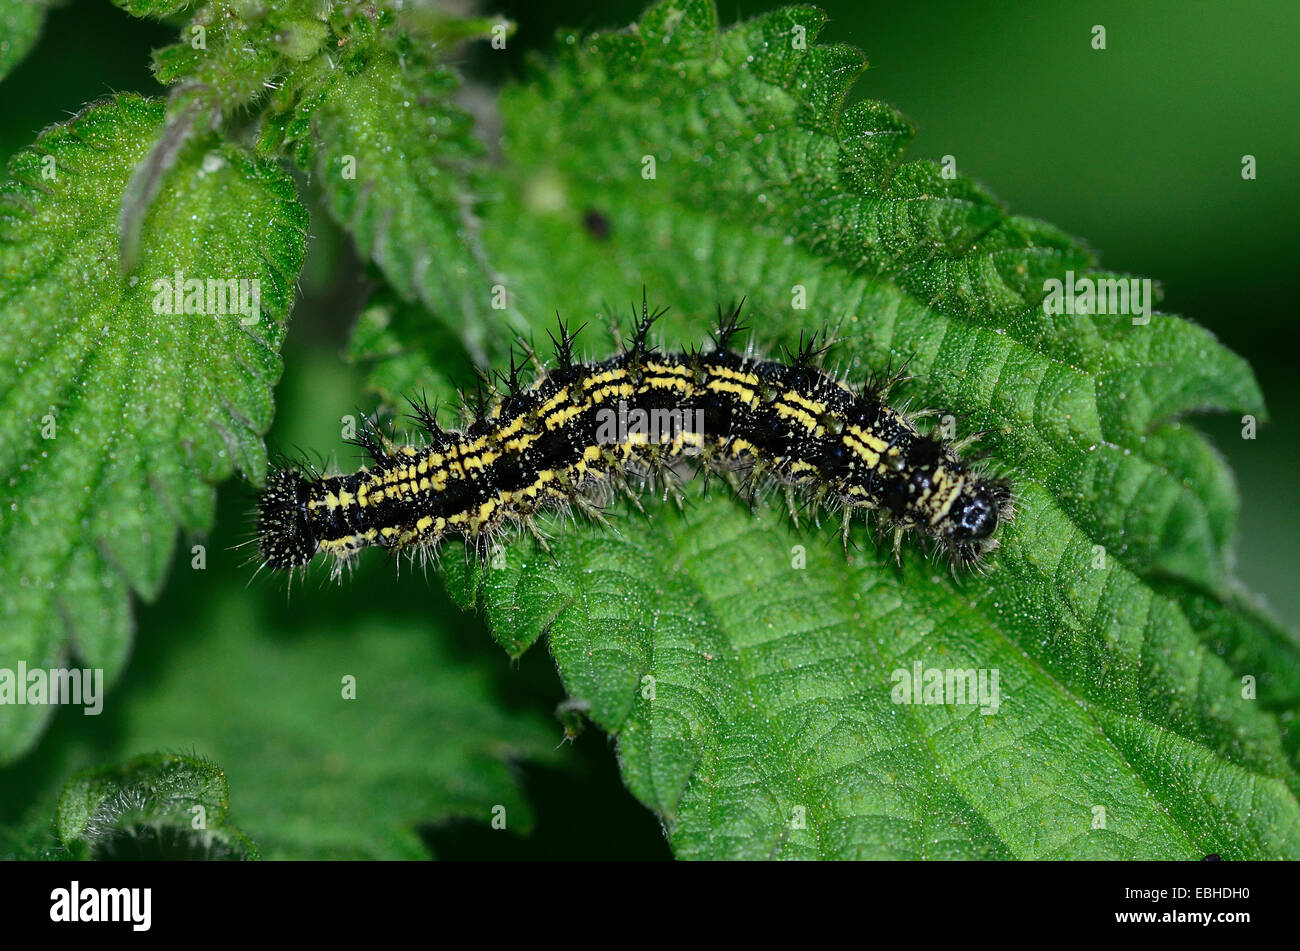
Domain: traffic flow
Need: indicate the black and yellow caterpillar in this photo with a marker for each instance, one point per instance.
(580, 430)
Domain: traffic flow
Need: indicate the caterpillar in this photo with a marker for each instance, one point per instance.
(580, 433)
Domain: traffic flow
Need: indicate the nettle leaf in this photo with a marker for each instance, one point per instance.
(20, 27)
(400, 169)
(226, 59)
(343, 733)
(749, 671)
(120, 408)
(158, 9)
(400, 343)
(158, 806)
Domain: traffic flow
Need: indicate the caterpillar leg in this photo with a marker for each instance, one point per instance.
(791, 503)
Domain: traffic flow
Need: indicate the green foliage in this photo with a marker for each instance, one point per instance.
(20, 28)
(162, 9)
(405, 351)
(764, 709)
(118, 418)
(250, 48)
(322, 767)
(319, 775)
(252, 680)
(749, 670)
(400, 168)
(156, 806)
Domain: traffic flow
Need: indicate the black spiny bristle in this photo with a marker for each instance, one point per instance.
(808, 355)
(729, 326)
(639, 347)
(564, 346)
(426, 417)
(511, 380)
(879, 387)
(370, 438)
(478, 403)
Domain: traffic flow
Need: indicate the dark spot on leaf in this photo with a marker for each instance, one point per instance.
(597, 225)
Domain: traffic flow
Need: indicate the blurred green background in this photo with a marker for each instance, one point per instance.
(1137, 149)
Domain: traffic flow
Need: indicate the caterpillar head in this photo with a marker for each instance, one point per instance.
(975, 515)
(284, 535)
